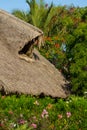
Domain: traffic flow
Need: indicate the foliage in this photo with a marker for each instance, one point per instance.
(71, 31)
(21, 14)
(39, 14)
(35, 12)
(54, 50)
(28, 113)
(77, 52)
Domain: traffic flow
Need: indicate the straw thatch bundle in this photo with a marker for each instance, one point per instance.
(19, 75)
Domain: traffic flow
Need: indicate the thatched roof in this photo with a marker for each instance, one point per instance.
(17, 75)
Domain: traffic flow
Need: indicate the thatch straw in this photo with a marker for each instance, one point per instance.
(19, 75)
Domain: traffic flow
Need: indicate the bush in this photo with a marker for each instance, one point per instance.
(28, 113)
(54, 50)
(77, 59)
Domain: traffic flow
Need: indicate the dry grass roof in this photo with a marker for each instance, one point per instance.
(17, 75)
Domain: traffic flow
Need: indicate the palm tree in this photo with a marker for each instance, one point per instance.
(21, 14)
(39, 14)
(36, 11)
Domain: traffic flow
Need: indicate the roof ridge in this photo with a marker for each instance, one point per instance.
(15, 18)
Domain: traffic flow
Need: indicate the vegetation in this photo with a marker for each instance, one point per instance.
(39, 15)
(28, 113)
(77, 50)
(68, 51)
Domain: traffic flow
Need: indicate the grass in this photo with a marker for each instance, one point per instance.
(29, 113)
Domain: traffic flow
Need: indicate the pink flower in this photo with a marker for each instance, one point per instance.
(34, 125)
(60, 116)
(21, 121)
(44, 113)
(68, 114)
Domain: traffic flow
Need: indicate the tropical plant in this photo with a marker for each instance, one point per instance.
(39, 14)
(21, 14)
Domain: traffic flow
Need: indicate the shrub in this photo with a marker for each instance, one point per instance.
(28, 113)
(77, 59)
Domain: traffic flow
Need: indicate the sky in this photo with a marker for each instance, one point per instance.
(10, 5)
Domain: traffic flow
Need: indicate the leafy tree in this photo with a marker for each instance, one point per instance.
(84, 14)
(77, 58)
(36, 11)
